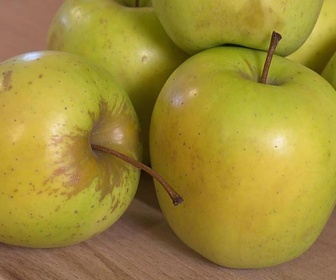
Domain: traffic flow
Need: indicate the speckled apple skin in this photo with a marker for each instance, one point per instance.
(54, 189)
(255, 163)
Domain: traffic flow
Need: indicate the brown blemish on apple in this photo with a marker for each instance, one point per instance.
(65, 166)
(258, 17)
(252, 14)
(6, 84)
(144, 58)
(77, 166)
(115, 135)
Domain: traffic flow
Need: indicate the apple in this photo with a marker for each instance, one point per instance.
(329, 71)
(56, 190)
(128, 41)
(320, 45)
(254, 161)
(196, 25)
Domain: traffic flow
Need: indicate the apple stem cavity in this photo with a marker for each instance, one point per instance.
(275, 39)
(176, 198)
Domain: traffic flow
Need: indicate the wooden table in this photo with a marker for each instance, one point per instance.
(140, 245)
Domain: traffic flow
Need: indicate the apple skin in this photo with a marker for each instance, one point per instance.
(320, 45)
(55, 190)
(254, 163)
(196, 25)
(128, 41)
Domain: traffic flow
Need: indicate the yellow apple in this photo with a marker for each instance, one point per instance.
(196, 25)
(321, 43)
(55, 189)
(128, 40)
(254, 162)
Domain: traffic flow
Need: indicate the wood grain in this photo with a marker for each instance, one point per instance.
(140, 245)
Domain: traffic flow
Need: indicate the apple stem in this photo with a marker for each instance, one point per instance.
(276, 37)
(137, 3)
(176, 198)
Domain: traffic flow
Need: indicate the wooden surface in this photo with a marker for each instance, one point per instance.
(140, 245)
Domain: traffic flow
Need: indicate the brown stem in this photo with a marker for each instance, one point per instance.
(137, 3)
(276, 37)
(176, 198)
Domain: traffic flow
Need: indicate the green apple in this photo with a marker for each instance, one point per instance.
(195, 25)
(255, 162)
(55, 189)
(321, 43)
(129, 41)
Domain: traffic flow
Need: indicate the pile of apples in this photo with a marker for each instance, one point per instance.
(242, 125)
